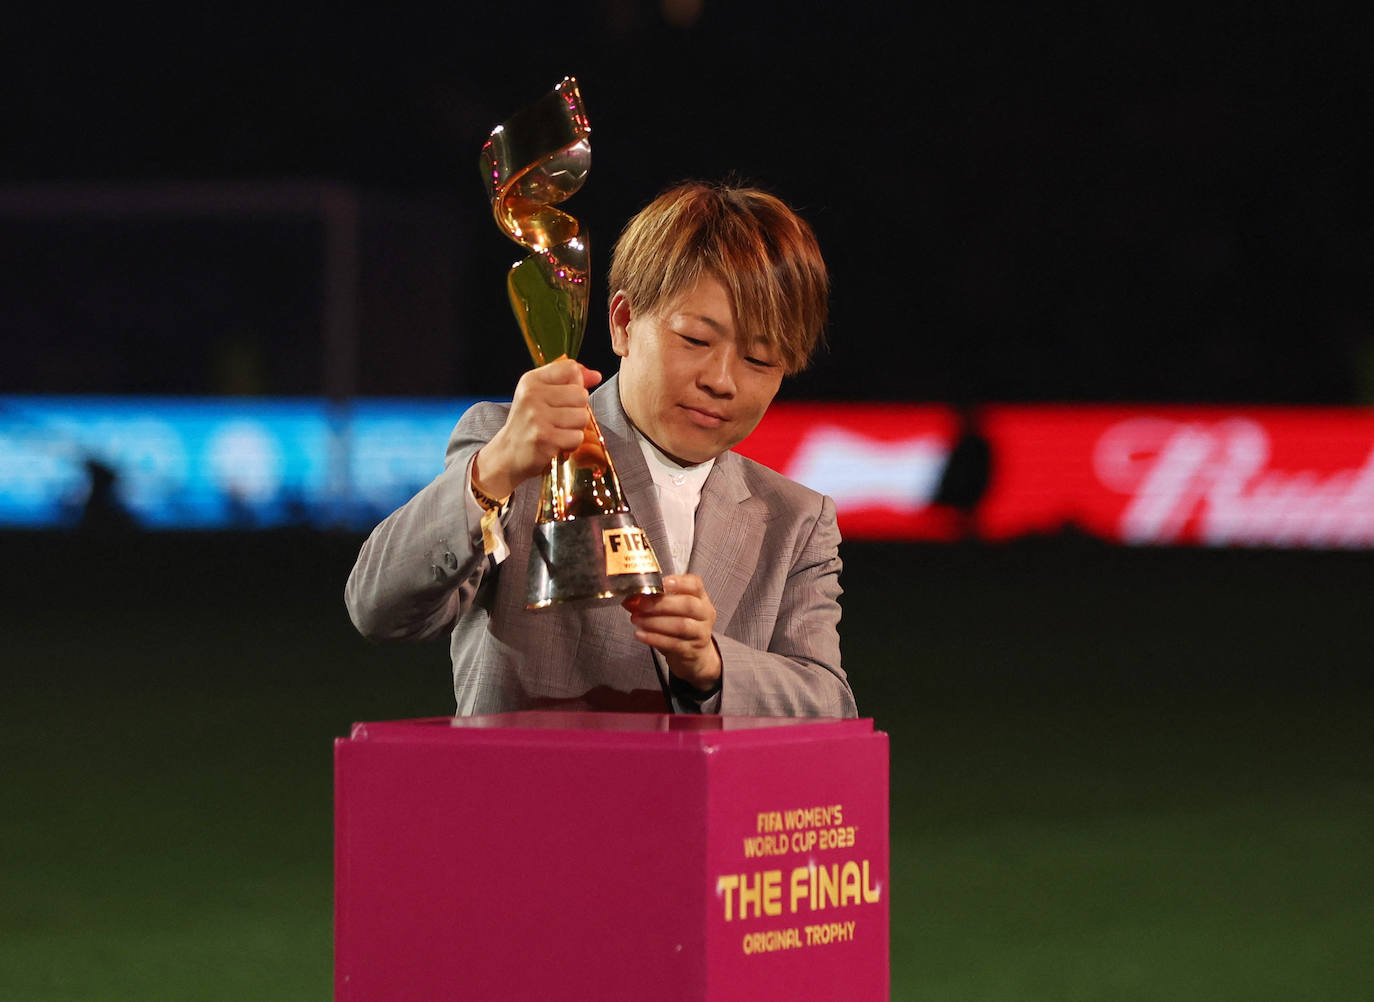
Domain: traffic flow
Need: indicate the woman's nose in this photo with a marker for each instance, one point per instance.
(717, 374)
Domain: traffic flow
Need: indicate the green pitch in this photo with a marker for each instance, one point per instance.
(1116, 774)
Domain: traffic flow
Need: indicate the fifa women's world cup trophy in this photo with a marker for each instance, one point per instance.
(586, 543)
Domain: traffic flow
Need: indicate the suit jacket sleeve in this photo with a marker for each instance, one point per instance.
(420, 568)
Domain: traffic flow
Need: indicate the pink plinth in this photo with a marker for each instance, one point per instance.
(611, 856)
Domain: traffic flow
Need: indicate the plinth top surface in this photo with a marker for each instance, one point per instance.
(552, 726)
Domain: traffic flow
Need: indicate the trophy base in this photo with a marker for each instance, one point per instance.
(589, 559)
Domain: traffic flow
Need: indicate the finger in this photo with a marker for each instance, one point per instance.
(561, 370)
(669, 643)
(686, 606)
(684, 584)
(565, 416)
(670, 625)
(682, 629)
(568, 371)
(560, 440)
(551, 393)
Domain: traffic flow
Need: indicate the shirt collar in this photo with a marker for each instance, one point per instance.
(669, 474)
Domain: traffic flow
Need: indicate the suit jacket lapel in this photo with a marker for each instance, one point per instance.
(636, 487)
(729, 535)
(636, 484)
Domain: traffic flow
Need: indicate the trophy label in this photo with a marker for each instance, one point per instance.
(628, 551)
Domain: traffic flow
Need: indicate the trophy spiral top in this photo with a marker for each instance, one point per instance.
(530, 163)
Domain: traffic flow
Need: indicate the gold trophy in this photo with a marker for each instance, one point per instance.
(586, 543)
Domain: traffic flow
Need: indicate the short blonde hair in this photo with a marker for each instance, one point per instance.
(762, 252)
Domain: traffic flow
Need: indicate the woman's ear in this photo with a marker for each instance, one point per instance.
(620, 323)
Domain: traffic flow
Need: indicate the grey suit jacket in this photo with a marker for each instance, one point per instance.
(766, 548)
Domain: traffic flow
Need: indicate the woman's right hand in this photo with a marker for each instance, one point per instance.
(547, 415)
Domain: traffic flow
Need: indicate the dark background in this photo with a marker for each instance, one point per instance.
(1079, 202)
(1116, 773)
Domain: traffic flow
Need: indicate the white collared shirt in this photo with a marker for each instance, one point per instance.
(679, 492)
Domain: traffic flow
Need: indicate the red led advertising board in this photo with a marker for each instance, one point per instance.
(1149, 475)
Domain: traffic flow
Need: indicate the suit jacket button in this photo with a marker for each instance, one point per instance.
(450, 561)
